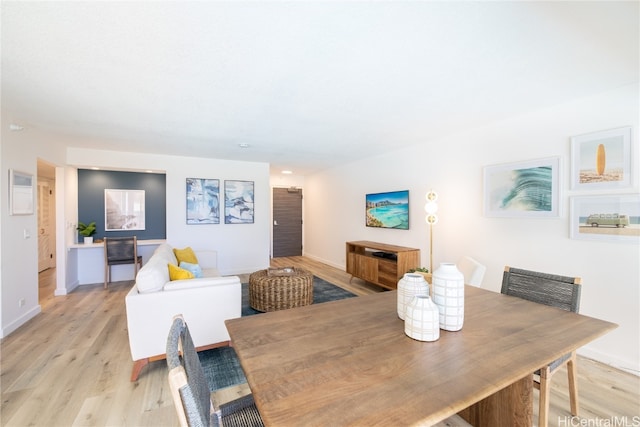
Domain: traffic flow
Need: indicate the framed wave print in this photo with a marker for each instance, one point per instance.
(523, 189)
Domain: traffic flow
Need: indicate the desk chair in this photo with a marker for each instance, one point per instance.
(472, 270)
(118, 251)
(190, 389)
(556, 291)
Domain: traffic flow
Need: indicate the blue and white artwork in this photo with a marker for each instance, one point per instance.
(203, 201)
(522, 189)
(238, 202)
(388, 210)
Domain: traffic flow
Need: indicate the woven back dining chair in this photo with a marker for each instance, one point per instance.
(119, 251)
(190, 388)
(556, 291)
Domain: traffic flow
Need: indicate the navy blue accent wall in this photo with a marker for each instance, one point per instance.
(91, 186)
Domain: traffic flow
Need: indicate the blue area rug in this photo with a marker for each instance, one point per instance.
(221, 365)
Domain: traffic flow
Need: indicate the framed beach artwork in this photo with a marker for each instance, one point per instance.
(523, 189)
(601, 160)
(238, 202)
(124, 210)
(388, 210)
(203, 201)
(607, 217)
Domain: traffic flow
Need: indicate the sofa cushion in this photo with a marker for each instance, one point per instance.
(193, 268)
(186, 255)
(153, 276)
(177, 273)
(166, 251)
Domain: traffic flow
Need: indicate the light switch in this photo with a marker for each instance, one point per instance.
(27, 234)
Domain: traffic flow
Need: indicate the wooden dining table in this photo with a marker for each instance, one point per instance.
(349, 362)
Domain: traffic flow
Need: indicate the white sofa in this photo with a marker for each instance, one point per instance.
(204, 302)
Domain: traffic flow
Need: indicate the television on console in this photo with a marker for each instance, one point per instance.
(388, 210)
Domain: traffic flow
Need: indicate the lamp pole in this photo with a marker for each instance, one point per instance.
(431, 207)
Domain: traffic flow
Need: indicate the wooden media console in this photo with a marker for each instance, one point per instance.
(379, 263)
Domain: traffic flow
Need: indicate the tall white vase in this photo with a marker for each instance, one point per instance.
(421, 319)
(410, 285)
(448, 295)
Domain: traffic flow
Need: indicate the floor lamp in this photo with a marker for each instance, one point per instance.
(431, 207)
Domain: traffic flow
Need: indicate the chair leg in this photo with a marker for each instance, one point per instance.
(106, 275)
(545, 388)
(572, 369)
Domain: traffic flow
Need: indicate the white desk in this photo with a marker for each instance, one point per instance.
(90, 261)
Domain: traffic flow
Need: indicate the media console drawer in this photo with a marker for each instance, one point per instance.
(380, 263)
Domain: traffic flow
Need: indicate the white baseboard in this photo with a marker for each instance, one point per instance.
(21, 320)
(632, 367)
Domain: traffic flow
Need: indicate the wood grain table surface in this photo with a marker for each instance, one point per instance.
(349, 362)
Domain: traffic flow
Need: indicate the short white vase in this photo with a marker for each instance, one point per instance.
(88, 240)
(422, 320)
(410, 285)
(448, 295)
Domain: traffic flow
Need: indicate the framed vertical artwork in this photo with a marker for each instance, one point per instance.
(124, 210)
(238, 202)
(203, 201)
(523, 189)
(601, 160)
(607, 217)
(20, 193)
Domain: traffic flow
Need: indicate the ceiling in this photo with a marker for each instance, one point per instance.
(307, 85)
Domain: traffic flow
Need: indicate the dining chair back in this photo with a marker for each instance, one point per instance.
(472, 270)
(118, 251)
(557, 291)
(190, 387)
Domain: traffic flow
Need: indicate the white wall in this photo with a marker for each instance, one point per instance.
(242, 248)
(334, 206)
(19, 274)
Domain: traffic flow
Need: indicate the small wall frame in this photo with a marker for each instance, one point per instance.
(606, 217)
(20, 193)
(601, 160)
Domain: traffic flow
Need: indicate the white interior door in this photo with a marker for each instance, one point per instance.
(46, 222)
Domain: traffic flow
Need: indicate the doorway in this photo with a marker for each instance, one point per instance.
(46, 211)
(287, 222)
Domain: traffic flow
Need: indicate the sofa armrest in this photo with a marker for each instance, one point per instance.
(176, 285)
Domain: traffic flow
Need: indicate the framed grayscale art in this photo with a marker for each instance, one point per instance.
(124, 210)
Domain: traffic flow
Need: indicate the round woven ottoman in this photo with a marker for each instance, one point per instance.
(279, 292)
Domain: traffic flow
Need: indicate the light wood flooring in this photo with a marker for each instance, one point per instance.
(71, 364)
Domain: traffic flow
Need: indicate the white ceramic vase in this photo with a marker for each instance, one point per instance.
(410, 285)
(88, 240)
(448, 295)
(422, 320)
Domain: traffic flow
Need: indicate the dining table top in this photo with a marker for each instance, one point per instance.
(349, 362)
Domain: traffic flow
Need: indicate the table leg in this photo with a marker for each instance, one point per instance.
(511, 406)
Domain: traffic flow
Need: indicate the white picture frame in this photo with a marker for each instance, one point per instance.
(526, 189)
(124, 210)
(21, 193)
(601, 160)
(607, 222)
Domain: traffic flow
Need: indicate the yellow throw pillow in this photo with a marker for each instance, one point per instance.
(186, 255)
(177, 273)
